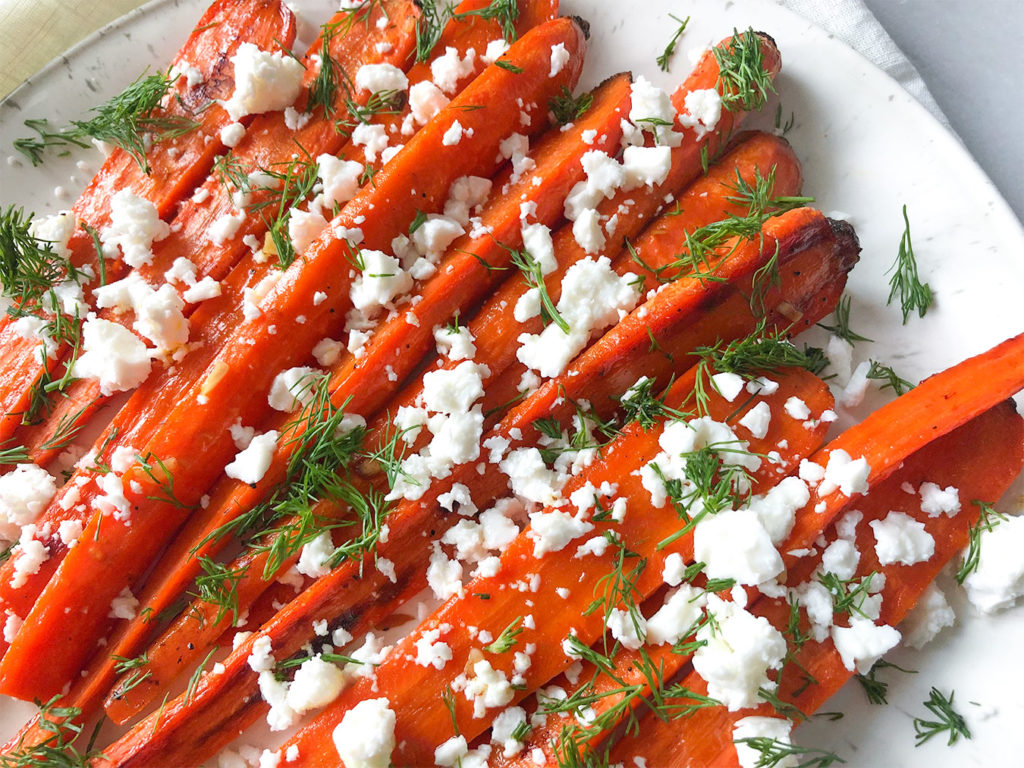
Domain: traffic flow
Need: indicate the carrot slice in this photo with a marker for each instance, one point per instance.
(461, 279)
(980, 458)
(112, 561)
(177, 165)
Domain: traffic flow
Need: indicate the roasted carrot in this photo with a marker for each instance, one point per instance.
(980, 458)
(352, 599)
(269, 143)
(461, 279)
(255, 356)
(176, 166)
(546, 617)
(188, 638)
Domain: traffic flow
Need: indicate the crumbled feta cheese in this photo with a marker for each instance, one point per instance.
(315, 556)
(24, 494)
(899, 538)
(559, 58)
(431, 652)
(999, 578)
(703, 110)
(373, 138)
(134, 227)
(448, 69)
(778, 507)
(453, 135)
(628, 629)
(757, 420)
(674, 569)
(293, 387)
(728, 385)
(775, 729)
(797, 408)
(340, 179)
(734, 544)
(843, 472)
(677, 617)
(124, 606)
(863, 643)
(455, 344)
(231, 134)
(593, 297)
(530, 476)
(587, 231)
(505, 724)
(487, 688)
(841, 558)
(929, 616)
(264, 82)
(738, 653)
(316, 684)
(111, 354)
(425, 101)
(159, 314)
(304, 227)
(31, 554)
(937, 501)
(225, 227)
(381, 77)
(251, 463)
(365, 737)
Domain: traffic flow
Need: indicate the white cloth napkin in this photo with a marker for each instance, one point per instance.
(853, 23)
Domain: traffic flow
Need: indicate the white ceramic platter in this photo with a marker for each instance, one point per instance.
(867, 147)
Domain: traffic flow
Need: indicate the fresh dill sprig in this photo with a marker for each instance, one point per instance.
(505, 12)
(13, 454)
(294, 182)
(58, 748)
(152, 465)
(772, 753)
(848, 595)
(842, 327)
(987, 520)
(760, 352)
(533, 275)
(125, 121)
(702, 250)
(193, 681)
(707, 487)
(508, 637)
(948, 720)
(448, 699)
(218, 585)
(743, 82)
(430, 26)
(618, 587)
(905, 283)
(666, 55)
(889, 377)
(640, 405)
(29, 266)
(323, 89)
(875, 689)
(567, 108)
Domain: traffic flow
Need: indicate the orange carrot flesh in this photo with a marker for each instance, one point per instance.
(352, 599)
(980, 458)
(461, 279)
(256, 356)
(176, 166)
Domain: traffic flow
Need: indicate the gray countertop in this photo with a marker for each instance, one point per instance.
(969, 53)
